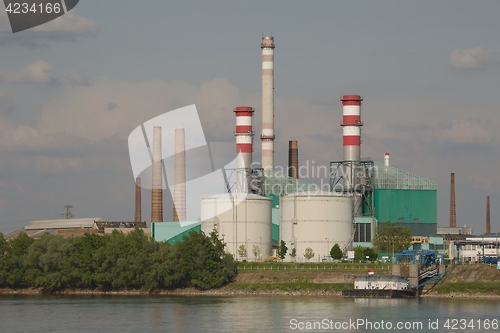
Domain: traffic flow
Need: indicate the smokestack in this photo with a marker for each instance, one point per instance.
(351, 124)
(244, 134)
(157, 192)
(267, 136)
(293, 159)
(138, 212)
(453, 210)
(244, 142)
(386, 159)
(488, 226)
(180, 176)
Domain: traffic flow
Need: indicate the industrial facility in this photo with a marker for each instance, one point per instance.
(258, 207)
(266, 207)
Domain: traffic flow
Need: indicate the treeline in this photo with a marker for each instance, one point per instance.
(115, 261)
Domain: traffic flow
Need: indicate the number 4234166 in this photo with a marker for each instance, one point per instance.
(25, 8)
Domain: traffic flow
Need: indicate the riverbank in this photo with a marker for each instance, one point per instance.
(231, 291)
(250, 289)
(467, 281)
(222, 292)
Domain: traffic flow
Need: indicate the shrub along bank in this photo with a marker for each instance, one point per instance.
(114, 262)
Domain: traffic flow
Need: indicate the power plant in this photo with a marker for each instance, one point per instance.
(257, 208)
(265, 207)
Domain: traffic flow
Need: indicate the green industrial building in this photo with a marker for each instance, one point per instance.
(404, 198)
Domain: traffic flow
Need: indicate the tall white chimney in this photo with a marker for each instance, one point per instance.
(157, 191)
(267, 136)
(180, 176)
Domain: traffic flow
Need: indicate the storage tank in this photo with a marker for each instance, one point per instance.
(316, 220)
(246, 223)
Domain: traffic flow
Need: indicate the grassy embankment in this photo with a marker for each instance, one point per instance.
(470, 280)
(318, 277)
(291, 277)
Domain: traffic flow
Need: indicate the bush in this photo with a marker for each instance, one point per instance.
(115, 261)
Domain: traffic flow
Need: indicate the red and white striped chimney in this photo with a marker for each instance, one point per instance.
(267, 136)
(244, 135)
(351, 123)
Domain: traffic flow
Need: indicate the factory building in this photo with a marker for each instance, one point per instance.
(404, 198)
(267, 207)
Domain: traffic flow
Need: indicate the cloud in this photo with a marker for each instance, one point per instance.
(83, 123)
(39, 71)
(66, 27)
(7, 103)
(475, 58)
(69, 24)
(458, 134)
(112, 106)
(76, 78)
(465, 133)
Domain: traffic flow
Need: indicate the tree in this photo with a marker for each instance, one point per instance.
(256, 251)
(336, 252)
(392, 236)
(202, 262)
(14, 271)
(358, 253)
(282, 250)
(115, 261)
(293, 253)
(369, 252)
(309, 253)
(242, 251)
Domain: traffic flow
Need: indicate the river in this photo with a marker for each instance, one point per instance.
(123, 314)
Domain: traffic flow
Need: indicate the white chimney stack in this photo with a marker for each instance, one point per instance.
(386, 159)
(157, 190)
(180, 176)
(267, 136)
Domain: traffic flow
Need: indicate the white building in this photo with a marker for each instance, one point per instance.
(472, 248)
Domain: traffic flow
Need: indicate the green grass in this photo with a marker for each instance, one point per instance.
(491, 288)
(288, 286)
(341, 267)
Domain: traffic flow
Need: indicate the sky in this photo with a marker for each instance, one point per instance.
(73, 89)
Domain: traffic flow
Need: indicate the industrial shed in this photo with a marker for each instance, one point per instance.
(75, 227)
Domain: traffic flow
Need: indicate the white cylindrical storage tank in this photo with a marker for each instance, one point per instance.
(247, 223)
(315, 220)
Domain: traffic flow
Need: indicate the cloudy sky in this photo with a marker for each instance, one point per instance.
(72, 90)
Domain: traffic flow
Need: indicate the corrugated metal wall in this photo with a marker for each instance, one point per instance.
(406, 206)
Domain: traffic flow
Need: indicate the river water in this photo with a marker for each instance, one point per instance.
(244, 314)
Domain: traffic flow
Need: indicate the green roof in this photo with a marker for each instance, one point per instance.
(390, 178)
